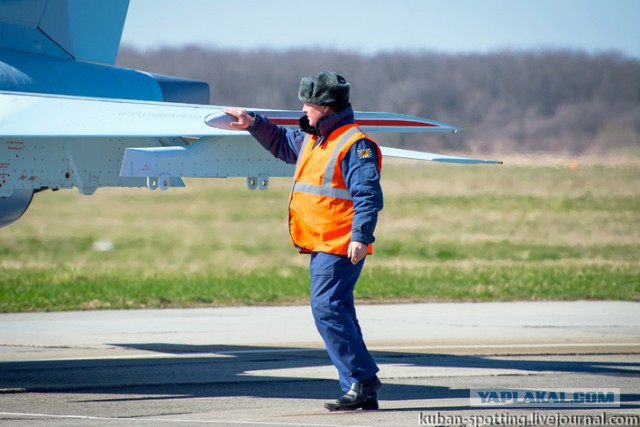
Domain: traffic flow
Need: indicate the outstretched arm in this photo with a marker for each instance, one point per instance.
(282, 142)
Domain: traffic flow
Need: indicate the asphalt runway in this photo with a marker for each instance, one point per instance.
(265, 366)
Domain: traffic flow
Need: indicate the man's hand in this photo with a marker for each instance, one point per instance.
(356, 252)
(244, 120)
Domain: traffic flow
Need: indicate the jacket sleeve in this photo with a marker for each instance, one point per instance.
(282, 142)
(362, 176)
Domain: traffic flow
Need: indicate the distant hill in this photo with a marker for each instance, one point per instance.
(539, 101)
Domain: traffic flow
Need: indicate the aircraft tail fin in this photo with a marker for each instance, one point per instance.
(79, 29)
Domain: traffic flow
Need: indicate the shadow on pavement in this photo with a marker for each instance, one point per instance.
(199, 371)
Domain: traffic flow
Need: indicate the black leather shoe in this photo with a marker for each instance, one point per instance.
(369, 404)
(356, 397)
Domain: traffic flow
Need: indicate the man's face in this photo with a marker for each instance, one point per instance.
(315, 112)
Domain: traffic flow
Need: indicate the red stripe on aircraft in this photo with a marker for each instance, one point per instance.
(363, 122)
(393, 122)
(283, 122)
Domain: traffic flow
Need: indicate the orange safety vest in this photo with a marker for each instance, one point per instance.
(320, 207)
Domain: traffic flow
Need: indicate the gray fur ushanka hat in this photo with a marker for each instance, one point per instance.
(325, 88)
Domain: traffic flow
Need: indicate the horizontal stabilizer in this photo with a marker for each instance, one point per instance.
(420, 155)
(368, 121)
(38, 115)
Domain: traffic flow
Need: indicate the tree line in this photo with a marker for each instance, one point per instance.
(558, 101)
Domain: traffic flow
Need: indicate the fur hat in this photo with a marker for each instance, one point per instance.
(325, 88)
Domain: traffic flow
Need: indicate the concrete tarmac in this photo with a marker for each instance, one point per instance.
(266, 366)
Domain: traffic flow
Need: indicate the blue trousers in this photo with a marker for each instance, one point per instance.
(333, 279)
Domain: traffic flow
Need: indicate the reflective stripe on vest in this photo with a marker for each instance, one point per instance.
(326, 188)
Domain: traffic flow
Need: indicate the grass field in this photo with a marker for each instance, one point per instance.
(532, 229)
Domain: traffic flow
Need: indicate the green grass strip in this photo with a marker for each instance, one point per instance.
(504, 283)
(82, 289)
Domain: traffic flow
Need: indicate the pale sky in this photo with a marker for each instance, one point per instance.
(371, 26)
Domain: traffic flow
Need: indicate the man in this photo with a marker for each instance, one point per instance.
(333, 212)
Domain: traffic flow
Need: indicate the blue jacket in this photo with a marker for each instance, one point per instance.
(361, 175)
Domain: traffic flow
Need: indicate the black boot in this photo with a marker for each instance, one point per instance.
(356, 397)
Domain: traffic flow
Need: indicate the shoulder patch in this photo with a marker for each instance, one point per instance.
(365, 153)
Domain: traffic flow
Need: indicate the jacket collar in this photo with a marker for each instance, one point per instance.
(329, 123)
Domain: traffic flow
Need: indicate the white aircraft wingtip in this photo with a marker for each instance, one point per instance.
(220, 120)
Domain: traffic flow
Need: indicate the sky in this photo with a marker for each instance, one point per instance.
(373, 26)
